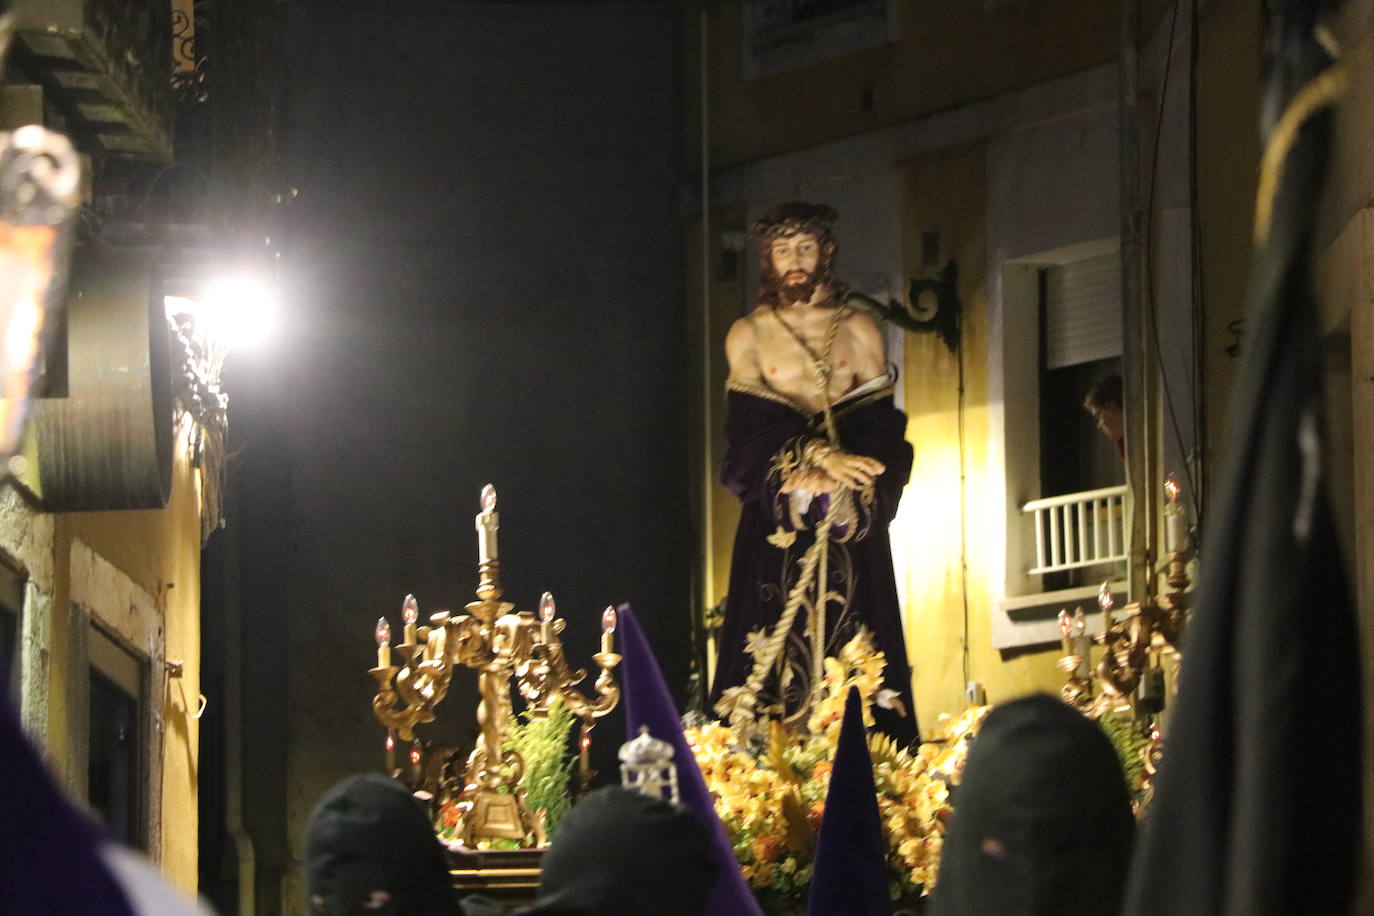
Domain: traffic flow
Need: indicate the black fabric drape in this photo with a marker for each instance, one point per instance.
(759, 429)
(1258, 805)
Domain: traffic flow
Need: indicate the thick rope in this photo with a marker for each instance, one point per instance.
(738, 702)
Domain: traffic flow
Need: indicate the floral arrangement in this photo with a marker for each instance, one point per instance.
(542, 743)
(771, 794)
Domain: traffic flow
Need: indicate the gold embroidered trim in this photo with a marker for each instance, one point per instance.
(842, 406)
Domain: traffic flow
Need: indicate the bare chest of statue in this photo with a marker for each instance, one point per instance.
(791, 341)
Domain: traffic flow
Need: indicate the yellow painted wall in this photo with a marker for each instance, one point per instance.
(1228, 163)
(717, 508)
(947, 54)
(159, 550)
(947, 602)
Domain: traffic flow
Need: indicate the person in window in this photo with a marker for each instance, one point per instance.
(1104, 401)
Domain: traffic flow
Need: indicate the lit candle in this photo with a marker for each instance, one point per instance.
(488, 521)
(390, 752)
(416, 755)
(410, 612)
(1104, 601)
(383, 634)
(608, 620)
(1065, 625)
(584, 766)
(1081, 643)
(1175, 522)
(547, 609)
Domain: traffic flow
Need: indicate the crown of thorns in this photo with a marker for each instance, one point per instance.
(790, 218)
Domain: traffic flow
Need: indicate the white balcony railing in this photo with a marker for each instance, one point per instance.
(1078, 529)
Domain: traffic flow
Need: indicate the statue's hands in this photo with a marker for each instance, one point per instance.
(853, 471)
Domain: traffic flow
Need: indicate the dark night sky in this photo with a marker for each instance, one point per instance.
(484, 284)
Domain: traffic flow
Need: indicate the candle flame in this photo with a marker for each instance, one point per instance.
(383, 632)
(415, 754)
(1064, 622)
(547, 607)
(1104, 596)
(390, 741)
(488, 498)
(608, 620)
(410, 609)
(1172, 489)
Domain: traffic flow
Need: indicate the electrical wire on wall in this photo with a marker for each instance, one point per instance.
(1199, 304)
(1148, 239)
(963, 512)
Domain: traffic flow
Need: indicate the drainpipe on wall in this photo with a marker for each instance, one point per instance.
(706, 580)
(1136, 358)
(243, 852)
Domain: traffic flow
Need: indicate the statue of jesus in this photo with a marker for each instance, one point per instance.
(815, 452)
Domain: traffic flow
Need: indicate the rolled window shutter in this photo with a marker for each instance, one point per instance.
(1083, 311)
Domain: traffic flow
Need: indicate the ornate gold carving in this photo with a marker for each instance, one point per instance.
(501, 645)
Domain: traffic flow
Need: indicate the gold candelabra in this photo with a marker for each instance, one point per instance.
(502, 645)
(1131, 672)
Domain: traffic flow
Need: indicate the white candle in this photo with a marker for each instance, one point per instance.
(547, 609)
(410, 612)
(488, 523)
(1175, 531)
(1082, 643)
(608, 622)
(383, 634)
(1175, 522)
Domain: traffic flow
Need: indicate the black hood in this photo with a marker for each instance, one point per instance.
(1042, 820)
(620, 852)
(370, 834)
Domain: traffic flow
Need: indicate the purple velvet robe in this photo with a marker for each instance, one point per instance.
(765, 431)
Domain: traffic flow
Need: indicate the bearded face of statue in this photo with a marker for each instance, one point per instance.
(793, 267)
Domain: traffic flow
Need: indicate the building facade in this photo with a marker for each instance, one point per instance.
(995, 138)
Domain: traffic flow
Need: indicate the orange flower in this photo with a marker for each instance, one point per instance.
(766, 848)
(821, 770)
(813, 817)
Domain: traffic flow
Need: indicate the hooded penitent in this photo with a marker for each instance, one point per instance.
(1042, 820)
(849, 876)
(648, 702)
(370, 849)
(52, 860)
(1257, 807)
(620, 853)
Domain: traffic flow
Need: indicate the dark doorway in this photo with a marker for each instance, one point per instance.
(11, 611)
(115, 768)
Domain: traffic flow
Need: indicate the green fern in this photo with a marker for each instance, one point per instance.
(1130, 743)
(543, 744)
